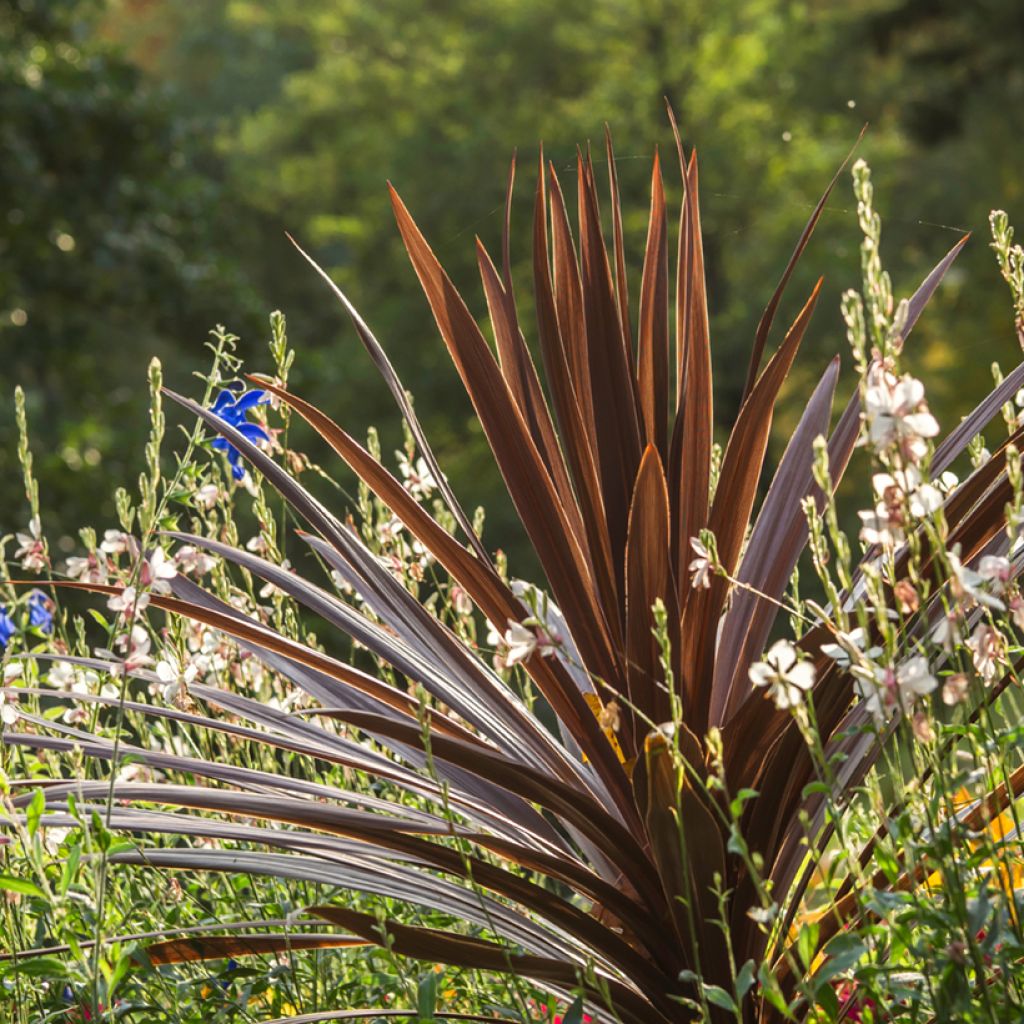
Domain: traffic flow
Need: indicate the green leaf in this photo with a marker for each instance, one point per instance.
(843, 952)
(745, 979)
(736, 805)
(816, 787)
(121, 846)
(736, 844)
(37, 967)
(99, 617)
(35, 811)
(719, 997)
(772, 993)
(426, 996)
(21, 885)
(120, 970)
(574, 1015)
(70, 868)
(807, 942)
(827, 999)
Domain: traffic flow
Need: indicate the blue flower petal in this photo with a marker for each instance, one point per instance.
(39, 614)
(7, 628)
(253, 432)
(232, 410)
(250, 400)
(224, 400)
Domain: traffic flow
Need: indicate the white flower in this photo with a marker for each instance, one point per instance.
(496, 642)
(884, 688)
(522, 640)
(285, 704)
(1017, 610)
(269, 589)
(967, 583)
(997, 571)
(763, 915)
(206, 496)
(62, 675)
(388, 532)
(947, 632)
(900, 494)
(31, 551)
(136, 644)
(115, 542)
(896, 413)
(54, 837)
(786, 678)
(417, 478)
(924, 501)
(86, 681)
(954, 689)
(700, 567)
(156, 571)
(8, 707)
(128, 599)
(138, 772)
(193, 560)
(87, 569)
(914, 679)
(13, 670)
(75, 716)
(175, 678)
(460, 600)
(878, 527)
(849, 647)
(210, 651)
(341, 583)
(988, 650)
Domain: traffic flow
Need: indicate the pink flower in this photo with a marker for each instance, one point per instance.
(31, 552)
(127, 600)
(156, 571)
(87, 569)
(115, 542)
(522, 641)
(701, 568)
(192, 560)
(988, 650)
(896, 413)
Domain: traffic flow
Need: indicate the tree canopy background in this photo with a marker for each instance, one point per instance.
(155, 152)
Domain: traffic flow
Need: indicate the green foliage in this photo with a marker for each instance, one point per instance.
(110, 251)
(262, 117)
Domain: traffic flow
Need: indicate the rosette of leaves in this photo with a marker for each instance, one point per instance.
(618, 856)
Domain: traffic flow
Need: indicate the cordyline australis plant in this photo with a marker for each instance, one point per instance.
(630, 820)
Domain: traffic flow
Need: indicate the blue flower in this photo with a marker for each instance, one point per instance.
(7, 629)
(232, 410)
(40, 611)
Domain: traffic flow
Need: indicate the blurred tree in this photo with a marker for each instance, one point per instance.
(292, 115)
(358, 94)
(110, 252)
